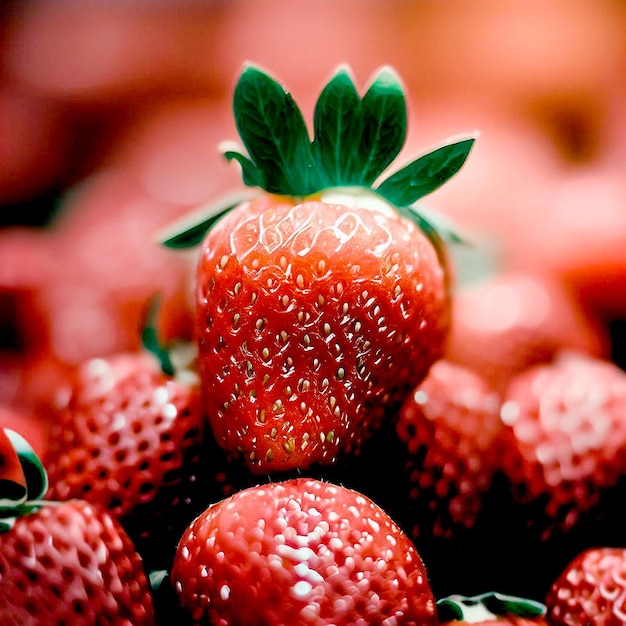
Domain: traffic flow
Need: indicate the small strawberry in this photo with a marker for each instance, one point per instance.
(131, 438)
(591, 590)
(565, 431)
(451, 427)
(490, 609)
(296, 552)
(507, 321)
(324, 300)
(62, 562)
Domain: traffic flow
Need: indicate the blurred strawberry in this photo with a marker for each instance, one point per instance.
(565, 423)
(451, 427)
(591, 589)
(508, 321)
(490, 609)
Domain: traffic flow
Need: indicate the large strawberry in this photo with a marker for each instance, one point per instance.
(62, 562)
(490, 609)
(324, 300)
(300, 552)
(131, 438)
(591, 589)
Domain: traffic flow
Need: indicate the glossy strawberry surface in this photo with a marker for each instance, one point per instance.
(71, 563)
(300, 552)
(313, 317)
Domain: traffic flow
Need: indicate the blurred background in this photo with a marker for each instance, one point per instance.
(111, 114)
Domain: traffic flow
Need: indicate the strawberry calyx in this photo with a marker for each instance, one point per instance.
(151, 342)
(487, 606)
(355, 139)
(23, 479)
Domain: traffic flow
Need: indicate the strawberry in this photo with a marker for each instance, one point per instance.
(300, 551)
(451, 427)
(490, 609)
(321, 302)
(131, 438)
(591, 589)
(565, 428)
(62, 562)
(508, 320)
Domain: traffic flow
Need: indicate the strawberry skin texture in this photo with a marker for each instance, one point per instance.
(71, 563)
(565, 432)
(297, 552)
(451, 426)
(128, 438)
(590, 590)
(314, 318)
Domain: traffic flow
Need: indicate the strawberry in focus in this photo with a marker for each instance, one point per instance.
(591, 589)
(299, 552)
(322, 301)
(62, 562)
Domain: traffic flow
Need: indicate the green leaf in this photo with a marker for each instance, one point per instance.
(150, 339)
(191, 229)
(274, 134)
(425, 174)
(502, 604)
(34, 472)
(336, 127)
(486, 607)
(383, 121)
(250, 173)
(31, 485)
(431, 220)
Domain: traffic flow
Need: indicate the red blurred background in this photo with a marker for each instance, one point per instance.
(111, 114)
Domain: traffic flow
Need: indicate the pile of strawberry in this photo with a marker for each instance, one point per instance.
(350, 432)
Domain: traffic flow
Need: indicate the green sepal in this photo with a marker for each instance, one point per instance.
(383, 121)
(250, 173)
(336, 129)
(150, 339)
(426, 174)
(274, 134)
(487, 606)
(190, 231)
(17, 499)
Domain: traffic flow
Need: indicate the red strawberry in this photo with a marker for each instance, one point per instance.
(509, 321)
(62, 563)
(591, 589)
(566, 428)
(299, 552)
(131, 439)
(451, 427)
(490, 609)
(320, 304)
